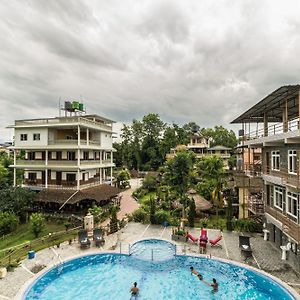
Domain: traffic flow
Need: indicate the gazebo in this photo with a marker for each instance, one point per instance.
(200, 203)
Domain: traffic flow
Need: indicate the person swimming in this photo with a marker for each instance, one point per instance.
(214, 285)
(195, 272)
(134, 291)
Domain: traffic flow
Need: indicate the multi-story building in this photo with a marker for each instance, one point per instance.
(248, 182)
(65, 153)
(276, 119)
(200, 145)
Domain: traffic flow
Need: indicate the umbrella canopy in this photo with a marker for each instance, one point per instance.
(201, 203)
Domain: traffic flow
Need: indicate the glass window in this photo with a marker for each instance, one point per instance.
(292, 161)
(85, 155)
(275, 160)
(36, 136)
(23, 137)
(278, 197)
(292, 204)
(71, 155)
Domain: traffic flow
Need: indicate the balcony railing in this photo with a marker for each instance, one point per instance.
(274, 129)
(72, 142)
(289, 227)
(54, 162)
(256, 205)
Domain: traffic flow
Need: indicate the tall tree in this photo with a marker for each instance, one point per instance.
(220, 136)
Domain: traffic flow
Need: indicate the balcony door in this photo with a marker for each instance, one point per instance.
(58, 178)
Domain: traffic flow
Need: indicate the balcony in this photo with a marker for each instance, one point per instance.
(73, 142)
(256, 205)
(289, 227)
(273, 133)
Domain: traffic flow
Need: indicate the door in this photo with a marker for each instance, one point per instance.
(58, 178)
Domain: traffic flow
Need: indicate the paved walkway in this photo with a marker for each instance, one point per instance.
(266, 257)
(127, 204)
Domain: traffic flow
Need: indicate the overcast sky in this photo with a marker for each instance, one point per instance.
(202, 61)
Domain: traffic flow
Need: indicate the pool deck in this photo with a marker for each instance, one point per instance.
(265, 256)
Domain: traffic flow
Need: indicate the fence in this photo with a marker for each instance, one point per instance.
(13, 255)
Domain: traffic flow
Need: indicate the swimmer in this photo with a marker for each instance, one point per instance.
(195, 272)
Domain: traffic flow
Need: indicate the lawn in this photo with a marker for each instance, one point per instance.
(23, 234)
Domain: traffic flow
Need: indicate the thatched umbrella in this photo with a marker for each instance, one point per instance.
(200, 203)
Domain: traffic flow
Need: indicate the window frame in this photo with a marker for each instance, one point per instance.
(23, 137)
(36, 135)
(277, 192)
(290, 198)
(292, 165)
(275, 155)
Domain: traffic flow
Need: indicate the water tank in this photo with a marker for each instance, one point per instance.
(68, 105)
(75, 105)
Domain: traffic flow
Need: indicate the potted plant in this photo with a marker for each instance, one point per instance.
(179, 235)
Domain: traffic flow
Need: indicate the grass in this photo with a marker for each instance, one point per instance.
(213, 222)
(23, 234)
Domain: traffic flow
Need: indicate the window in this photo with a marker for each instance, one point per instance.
(71, 155)
(23, 137)
(71, 177)
(275, 160)
(32, 177)
(292, 161)
(36, 136)
(278, 197)
(69, 137)
(58, 155)
(31, 155)
(85, 155)
(292, 204)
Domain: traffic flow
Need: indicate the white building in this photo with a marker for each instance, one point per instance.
(72, 152)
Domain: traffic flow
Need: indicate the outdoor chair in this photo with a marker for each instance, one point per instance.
(215, 242)
(83, 239)
(244, 244)
(98, 237)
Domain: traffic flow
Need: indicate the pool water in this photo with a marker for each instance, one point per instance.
(110, 276)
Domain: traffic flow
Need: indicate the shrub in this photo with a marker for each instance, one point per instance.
(161, 215)
(247, 225)
(37, 222)
(140, 192)
(140, 215)
(8, 222)
(149, 183)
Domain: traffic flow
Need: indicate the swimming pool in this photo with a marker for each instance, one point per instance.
(110, 276)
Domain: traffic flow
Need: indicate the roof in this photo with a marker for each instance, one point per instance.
(98, 193)
(272, 105)
(200, 203)
(219, 147)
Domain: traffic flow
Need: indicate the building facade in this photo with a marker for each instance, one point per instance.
(71, 152)
(277, 134)
(200, 145)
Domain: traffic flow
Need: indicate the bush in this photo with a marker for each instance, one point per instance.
(8, 222)
(247, 225)
(161, 215)
(149, 183)
(139, 193)
(140, 215)
(37, 222)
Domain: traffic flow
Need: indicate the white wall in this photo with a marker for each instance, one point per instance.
(30, 142)
(106, 140)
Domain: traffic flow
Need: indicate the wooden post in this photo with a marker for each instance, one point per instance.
(265, 124)
(285, 117)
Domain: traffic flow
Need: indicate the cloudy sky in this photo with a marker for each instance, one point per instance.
(202, 61)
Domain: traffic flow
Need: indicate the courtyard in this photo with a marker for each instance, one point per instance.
(265, 256)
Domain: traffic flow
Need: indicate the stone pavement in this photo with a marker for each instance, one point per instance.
(266, 257)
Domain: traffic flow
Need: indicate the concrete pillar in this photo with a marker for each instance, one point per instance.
(78, 179)
(101, 175)
(111, 157)
(111, 174)
(78, 135)
(87, 137)
(15, 171)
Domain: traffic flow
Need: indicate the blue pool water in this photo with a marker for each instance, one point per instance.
(110, 276)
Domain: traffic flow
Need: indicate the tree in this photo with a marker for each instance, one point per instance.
(16, 199)
(8, 222)
(97, 212)
(220, 136)
(192, 212)
(113, 225)
(37, 222)
(123, 178)
(178, 175)
(152, 210)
